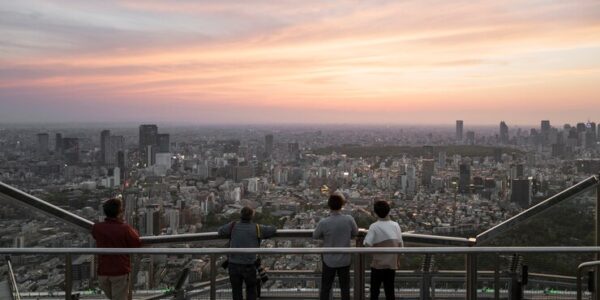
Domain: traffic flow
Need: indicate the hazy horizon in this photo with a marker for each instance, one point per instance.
(313, 62)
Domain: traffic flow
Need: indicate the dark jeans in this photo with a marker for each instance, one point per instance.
(327, 281)
(385, 276)
(239, 274)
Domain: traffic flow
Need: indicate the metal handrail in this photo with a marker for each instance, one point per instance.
(412, 239)
(13, 280)
(12, 194)
(570, 192)
(580, 268)
(351, 250)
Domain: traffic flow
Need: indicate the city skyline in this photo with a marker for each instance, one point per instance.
(342, 62)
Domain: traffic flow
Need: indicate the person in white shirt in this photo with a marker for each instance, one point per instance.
(383, 233)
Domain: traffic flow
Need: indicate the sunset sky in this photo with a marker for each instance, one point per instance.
(309, 61)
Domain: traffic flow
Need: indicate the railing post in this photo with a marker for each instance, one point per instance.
(497, 277)
(68, 276)
(471, 268)
(425, 293)
(213, 277)
(579, 289)
(597, 238)
(359, 272)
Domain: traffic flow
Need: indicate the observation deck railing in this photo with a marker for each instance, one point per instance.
(469, 254)
(468, 248)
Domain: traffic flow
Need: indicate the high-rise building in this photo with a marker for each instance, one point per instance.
(521, 192)
(293, 151)
(459, 130)
(43, 143)
(470, 137)
(114, 145)
(164, 143)
(427, 170)
(148, 143)
(503, 133)
(545, 126)
(442, 159)
(71, 150)
(464, 178)
(104, 142)
(268, 145)
(590, 135)
(58, 144)
(545, 132)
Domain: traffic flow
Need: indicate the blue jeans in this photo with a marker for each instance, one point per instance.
(240, 274)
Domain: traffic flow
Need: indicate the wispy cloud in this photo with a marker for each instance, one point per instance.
(370, 58)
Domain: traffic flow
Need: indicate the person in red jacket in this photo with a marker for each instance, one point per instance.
(113, 270)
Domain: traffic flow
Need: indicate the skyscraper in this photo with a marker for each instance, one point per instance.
(293, 151)
(545, 131)
(503, 133)
(104, 141)
(269, 145)
(43, 141)
(164, 143)
(464, 179)
(148, 143)
(427, 170)
(459, 130)
(58, 144)
(470, 137)
(521, 192)
(590, 135)
(114, 145)
(71, 150)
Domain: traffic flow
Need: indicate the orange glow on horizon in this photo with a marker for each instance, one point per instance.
(367, 61)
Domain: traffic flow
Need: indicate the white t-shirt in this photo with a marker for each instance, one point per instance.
(384, 233)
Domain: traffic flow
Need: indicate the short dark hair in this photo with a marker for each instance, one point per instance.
(112, 207)
(381, 208)
(335, 202)
(247, 213)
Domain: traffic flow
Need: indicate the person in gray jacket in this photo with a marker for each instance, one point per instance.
(337, 230)
(242, 267)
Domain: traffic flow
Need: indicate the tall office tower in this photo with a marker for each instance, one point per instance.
(114, 145)
(43, 142)
(464, 178)
(427, 170)
(164, 143)
(148, 143)
(590, 135)
(470, 137)
(293, 151)
(442, 159)
(517, 171)
(58, 144)
(71, 150)
(104, 144)
(545, 131)
(545, 126)
(581, 130)
(520, 192)
(459, 130)
(269, 145)
(122, 163)
(503, 133)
